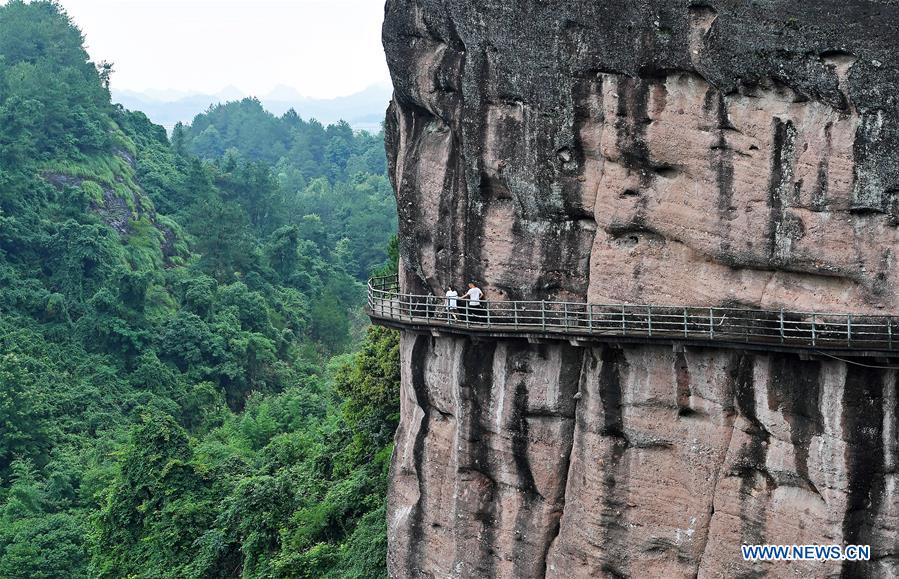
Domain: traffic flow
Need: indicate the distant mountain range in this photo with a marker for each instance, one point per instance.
(363, 110)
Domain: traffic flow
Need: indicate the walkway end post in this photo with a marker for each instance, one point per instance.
(781, 325)
(849, 330)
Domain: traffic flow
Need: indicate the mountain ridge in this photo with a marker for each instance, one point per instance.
(363, 110)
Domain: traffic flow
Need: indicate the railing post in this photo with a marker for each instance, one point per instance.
(890, 333)
(849, 330)
(487, 306)
(515, 313)
(814, 316)
(623, 325)
(649, 319)
(543, 314)
(711, 324)
(565, 313)
(590, 317)
(781, 325)
(685, 323)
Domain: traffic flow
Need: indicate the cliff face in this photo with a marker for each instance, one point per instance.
(706, 153)
(662, 467)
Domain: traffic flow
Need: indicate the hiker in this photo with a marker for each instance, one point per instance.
(451, 302)
(473, 303)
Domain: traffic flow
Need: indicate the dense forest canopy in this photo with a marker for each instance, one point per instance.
(331, 172)
(187, 384)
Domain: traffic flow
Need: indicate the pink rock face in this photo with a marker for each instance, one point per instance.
(751, 193)
(522, 460)
(704, 154)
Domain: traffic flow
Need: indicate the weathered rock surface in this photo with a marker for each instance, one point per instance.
(701, 153)
(521, 460)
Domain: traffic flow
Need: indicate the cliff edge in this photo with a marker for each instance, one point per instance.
(691, 153)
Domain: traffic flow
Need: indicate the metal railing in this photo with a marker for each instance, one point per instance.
(762, 327)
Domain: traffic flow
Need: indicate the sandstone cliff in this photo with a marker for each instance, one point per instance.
(697, 153)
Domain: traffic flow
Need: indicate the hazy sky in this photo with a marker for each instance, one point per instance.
(322, 48)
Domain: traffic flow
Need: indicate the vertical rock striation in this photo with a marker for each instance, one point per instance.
(698, 153)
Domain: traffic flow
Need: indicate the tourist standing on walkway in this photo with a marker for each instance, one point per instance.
(473, 305)
(451, 302)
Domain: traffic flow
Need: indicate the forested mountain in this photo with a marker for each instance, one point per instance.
(330, 171)
(186, 386)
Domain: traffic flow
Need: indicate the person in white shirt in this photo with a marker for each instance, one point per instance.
(473, 295)
(451, 301)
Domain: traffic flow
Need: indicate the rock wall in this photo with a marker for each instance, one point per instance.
(673, 152)
(521, 460)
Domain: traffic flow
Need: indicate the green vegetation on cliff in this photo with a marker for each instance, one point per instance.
(187, 387)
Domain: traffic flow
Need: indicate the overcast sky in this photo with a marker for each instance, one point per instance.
(322, 48)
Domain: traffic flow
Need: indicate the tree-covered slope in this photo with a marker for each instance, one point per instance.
(186, 389)
(330, 172)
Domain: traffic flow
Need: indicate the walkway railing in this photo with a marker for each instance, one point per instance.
(816, 330)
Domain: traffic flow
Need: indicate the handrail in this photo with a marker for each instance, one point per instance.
(795, 329)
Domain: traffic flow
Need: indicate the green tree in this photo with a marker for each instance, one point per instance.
(155, 509)
(330, 324)
(24, 408)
